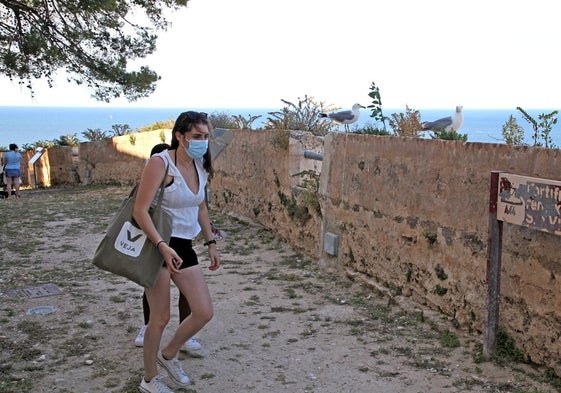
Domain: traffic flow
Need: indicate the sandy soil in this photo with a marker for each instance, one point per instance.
(281, 324)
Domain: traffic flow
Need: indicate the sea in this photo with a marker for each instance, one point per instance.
(26, 125)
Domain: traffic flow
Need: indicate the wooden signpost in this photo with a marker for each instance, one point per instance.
(527, 201)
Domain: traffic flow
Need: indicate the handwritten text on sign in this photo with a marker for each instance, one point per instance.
(530, 201)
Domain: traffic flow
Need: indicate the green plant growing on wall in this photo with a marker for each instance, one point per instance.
(310, 180)
(158, 125)
(452, 135)
(406, 124)
(120, 129)
(440, 290)
(370, 129)
(132, 139)
(303, 116)
(299, 213)
(295, 212)
(94, 134)
(67, 140)
(431, 236)
(440, 273)
(507, 350)
(222, 120)
(542, 128)
(245, 123)
(376, 106)
(281, 139)
(409, 274)
(513, 133)
(162, 136)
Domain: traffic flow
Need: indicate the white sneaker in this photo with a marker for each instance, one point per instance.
(139, 340)
(156, 385)
(193, 348)
(193, 345)
(174, 370)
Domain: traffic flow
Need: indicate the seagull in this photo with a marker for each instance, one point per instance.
(447, 124)
(344, 117)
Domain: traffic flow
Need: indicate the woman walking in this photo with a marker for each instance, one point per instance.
(189, 167)
(12, 169)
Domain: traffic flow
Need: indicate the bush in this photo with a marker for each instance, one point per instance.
(406, 124)
(304, 116)
(513, 133)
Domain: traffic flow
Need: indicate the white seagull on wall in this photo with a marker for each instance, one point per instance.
(447, 124)
(344, 117)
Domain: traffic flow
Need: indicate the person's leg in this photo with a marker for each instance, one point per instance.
(139, 340)
(159, 300)
(190, 282)
(16, 185)
(183, 306)
(9, 186)
(145, 308)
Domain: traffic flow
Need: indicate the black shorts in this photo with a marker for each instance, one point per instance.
(184, 248)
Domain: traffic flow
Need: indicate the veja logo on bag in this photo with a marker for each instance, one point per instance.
(130, 240)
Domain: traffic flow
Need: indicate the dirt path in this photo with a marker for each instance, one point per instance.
(281, 324)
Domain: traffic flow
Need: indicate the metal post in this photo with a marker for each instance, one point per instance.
(494, 249)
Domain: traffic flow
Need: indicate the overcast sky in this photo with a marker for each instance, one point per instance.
(421, 53)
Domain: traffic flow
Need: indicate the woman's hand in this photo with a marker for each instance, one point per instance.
(214, 257)
(173, 262)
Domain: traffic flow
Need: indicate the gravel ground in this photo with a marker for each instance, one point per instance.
(281, 324)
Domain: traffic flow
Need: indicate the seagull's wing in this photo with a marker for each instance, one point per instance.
(341, 116)
(438, 125)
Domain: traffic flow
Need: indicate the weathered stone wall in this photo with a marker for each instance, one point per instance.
(411, 214)
(112, 160)
(259, 180)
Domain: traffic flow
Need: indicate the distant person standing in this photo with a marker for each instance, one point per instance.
(12, 169)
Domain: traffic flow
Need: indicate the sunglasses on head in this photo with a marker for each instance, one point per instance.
(195, 117)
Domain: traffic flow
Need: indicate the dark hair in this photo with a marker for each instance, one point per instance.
(160, 147)
(185, 123)
(13, 146)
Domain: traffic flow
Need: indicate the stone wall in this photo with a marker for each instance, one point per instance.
(409, 214)
(113, 160)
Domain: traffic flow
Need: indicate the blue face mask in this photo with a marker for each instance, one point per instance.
(196, 148)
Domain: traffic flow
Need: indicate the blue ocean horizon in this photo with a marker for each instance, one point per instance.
(28, 125)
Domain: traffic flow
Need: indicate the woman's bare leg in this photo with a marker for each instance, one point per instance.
(191, 282)
(16, 186)
(159, 299)
(9, 186)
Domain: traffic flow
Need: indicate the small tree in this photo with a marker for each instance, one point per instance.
(120, 129)
(304, 116)
(245, 123)
(406, 124)
(92, 41)
(541, 129)
(94, 134)
(513, 133)
(222, 120)
(67, 140)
